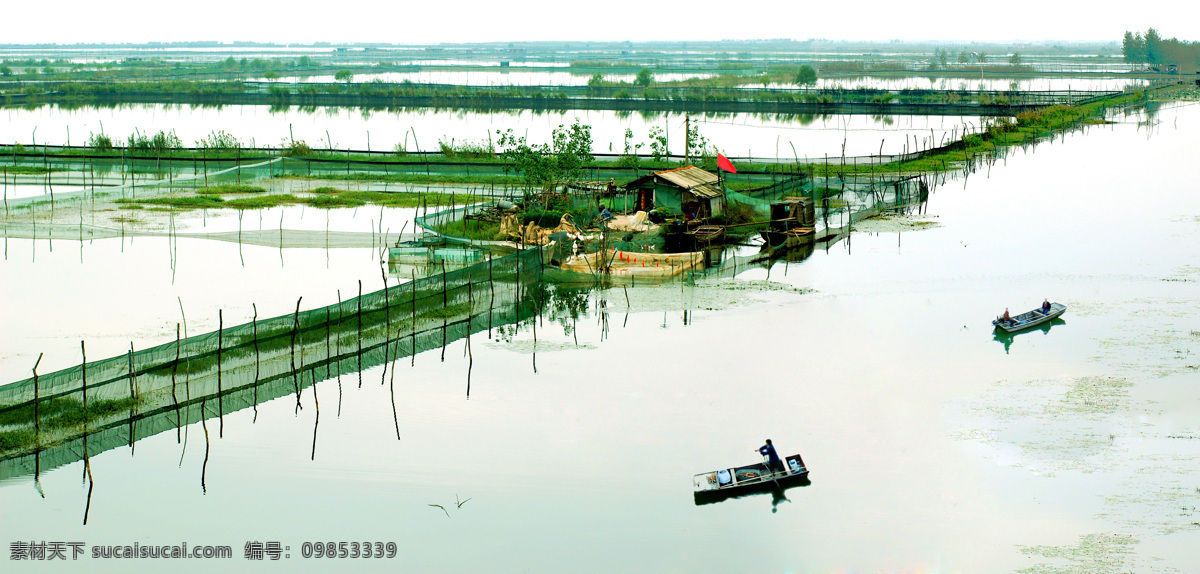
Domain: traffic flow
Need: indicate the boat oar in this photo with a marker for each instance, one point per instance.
(767, 462)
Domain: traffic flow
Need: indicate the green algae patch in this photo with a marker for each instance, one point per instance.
(1096, 553)
(230, 189)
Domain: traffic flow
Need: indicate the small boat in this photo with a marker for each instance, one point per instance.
(793, 222)
(788, 238)
(1030, 319)
(706, 234)
(635, 264)
(720, 484)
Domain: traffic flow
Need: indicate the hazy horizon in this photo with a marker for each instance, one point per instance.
(370, 21)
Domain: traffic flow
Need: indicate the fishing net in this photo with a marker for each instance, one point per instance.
(355, 334)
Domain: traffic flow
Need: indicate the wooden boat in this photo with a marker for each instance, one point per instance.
(1030, 319)
(728, 482)
(706, 234)
(776, 239)
(635, 264)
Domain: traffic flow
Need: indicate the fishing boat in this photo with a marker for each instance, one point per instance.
(729, 482)
(788, 238)
(793, 222)
(707, 234)
(1030, 319)
(635, 264)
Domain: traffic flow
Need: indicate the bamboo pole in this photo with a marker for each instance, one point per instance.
(37, 397)
(295, 330)
(175, 369)
(360, 336)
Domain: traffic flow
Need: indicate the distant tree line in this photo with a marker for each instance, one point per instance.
(1151, 48)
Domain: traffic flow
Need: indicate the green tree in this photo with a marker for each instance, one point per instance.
(982, 57)
(1127, 46)
(697, 145)
(1133, 48)
(5, 70)
(943, 56)
(271, 76)
(595, 82)
(344, 75)
(219, 141)
(807, 76)
(964, 56)
(100, 142)
(630, 156)
(544, 164)
(658, 143)
(572, 149)
(1015, 59)
(1154, 47)
(645, 77)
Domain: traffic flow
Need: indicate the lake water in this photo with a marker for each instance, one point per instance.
(757, 135)
(982, 84)
(932, 445)
(498, 77)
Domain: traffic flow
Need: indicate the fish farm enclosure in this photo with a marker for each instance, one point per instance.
(494, 308)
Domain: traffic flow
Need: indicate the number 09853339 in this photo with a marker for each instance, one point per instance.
(348, 550)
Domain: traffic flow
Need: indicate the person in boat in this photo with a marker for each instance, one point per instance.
(1006, 318)
(773, 462)
(1046, 307)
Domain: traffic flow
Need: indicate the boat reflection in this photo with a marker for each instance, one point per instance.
(778, 492)
(1007, 338)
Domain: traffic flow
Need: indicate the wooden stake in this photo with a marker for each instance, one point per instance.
(175, 366)
(295, 330)
(413, 282)
(360, 337)
(254, 325)
(37, 397)
(132, 392)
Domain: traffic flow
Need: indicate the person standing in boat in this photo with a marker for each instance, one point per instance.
(1046, 307)
(773, 462)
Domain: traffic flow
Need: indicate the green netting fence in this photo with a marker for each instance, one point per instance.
(398, 321)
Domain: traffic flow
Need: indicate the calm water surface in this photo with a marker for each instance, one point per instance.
(757, 135)
(932, 446)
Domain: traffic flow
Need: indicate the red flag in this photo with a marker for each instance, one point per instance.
(724, 163)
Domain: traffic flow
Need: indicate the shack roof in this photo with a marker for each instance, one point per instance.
(689, 178)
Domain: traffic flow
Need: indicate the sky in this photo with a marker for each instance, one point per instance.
(465, 21)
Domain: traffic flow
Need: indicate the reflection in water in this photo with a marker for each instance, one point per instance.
(1007, 338)
(243, 371)
(269, 359)
(777, 490)
(240, 372)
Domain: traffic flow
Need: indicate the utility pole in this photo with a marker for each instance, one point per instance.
(687, 138)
